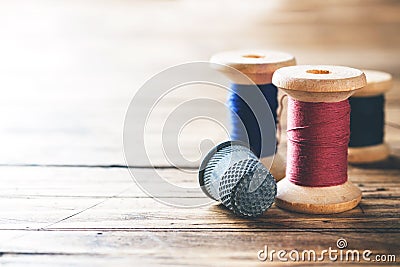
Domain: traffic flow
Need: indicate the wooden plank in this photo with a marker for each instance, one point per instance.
(213, 248)
(82, 197)
(143, 213)
(104, 182)
(68, 72)
(68, 90)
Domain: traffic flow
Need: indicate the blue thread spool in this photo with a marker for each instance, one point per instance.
(367, 120)
(251, 129)
(258, 66)
(232, 174)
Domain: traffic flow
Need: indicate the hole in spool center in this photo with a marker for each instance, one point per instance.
(253, 56)
(318, 71)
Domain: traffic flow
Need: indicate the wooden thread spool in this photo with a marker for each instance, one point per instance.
(318, 84)
(377, 84)
(258, 66)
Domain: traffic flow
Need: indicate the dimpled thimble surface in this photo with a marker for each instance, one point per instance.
(233, 175)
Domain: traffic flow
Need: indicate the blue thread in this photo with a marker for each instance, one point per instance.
(251, 133)
(366, 121)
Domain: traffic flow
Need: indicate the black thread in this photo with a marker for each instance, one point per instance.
(367, 121)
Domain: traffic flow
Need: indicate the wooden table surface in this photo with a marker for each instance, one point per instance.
(68, 71)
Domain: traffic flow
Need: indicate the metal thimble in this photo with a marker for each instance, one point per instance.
(232, 174)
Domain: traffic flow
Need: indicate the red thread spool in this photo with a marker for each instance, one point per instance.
(318, 134)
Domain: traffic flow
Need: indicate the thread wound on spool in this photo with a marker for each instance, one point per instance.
(367, 121)
(318, 136)
(242, 113)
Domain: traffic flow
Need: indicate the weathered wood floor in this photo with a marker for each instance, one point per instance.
(68, 70)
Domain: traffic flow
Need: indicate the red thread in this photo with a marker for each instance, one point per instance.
(318, 136)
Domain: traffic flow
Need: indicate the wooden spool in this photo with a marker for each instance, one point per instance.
(258, 66)
(378, 83)
(318, 84)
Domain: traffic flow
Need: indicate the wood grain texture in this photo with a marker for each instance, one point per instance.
(177, 248)
(84, 61)
(68, 72)
(85, 198)
(319, 79)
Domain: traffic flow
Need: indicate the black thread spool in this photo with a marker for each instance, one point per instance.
(367, 120)
(233, 175)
